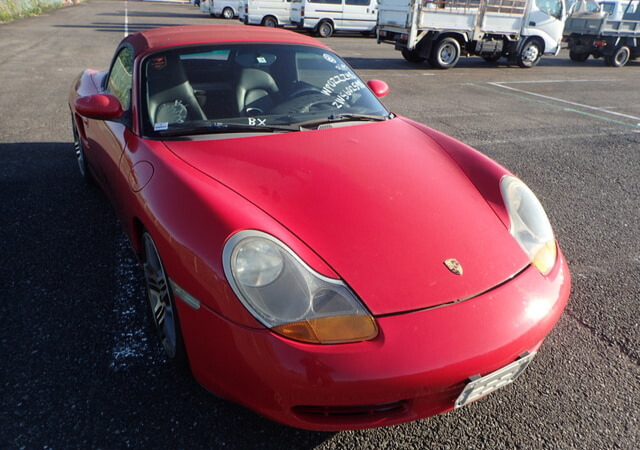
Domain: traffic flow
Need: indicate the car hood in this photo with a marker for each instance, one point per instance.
(382, 203)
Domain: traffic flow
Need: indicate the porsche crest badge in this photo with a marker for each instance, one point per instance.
(453, 265)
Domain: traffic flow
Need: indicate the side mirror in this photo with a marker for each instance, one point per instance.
(379, 88)
(99, 106)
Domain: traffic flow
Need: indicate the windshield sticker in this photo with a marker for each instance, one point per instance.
(261, 59)
(257, 122)
(175, 112)
(329, 58)
(347, 93)
(334, 81)
(161, 126)
(159, 62)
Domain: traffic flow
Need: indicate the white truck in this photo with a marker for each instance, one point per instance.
(610, 31)
(441, 31)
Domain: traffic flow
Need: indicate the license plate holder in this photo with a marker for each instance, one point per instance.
(479, 386)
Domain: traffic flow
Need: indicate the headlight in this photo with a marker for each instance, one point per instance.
(289, 297)
(529, 224)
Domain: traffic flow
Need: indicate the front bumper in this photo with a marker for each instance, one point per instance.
(416, 367)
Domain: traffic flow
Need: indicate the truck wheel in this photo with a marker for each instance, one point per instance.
(619, 58)
(530, 54)
(324, 29)
(270, 22)
(412, 56)
(227, 13)
(445, 54)
(578, 57)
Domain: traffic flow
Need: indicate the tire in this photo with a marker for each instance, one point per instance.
(85, 173)
(162, 303)
(620, 57)
(324, 29)
(578, 57)
(270, 22)
(412, 56)
(228, 13)
(530, 54)
(445, 54)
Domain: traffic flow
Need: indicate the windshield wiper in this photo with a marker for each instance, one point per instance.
(220, 127)
(342, 118)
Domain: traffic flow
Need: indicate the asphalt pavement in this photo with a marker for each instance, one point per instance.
(80, 365)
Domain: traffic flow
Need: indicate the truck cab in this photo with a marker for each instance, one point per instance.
(545, 19)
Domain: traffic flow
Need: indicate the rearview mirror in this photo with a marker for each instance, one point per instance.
(379, 88)
(99, 106)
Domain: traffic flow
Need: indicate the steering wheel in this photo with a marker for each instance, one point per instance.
(252, 112)
(316, 104)
(309, 102)
(304, 90)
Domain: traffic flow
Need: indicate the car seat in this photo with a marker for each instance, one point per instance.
(170, 95)
(256, 92)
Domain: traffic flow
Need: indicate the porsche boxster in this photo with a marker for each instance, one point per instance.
(308, 253)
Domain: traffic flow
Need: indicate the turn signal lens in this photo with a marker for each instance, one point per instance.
(330, 330)
(545, 257)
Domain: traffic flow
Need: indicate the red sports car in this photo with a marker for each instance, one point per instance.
(311, 255)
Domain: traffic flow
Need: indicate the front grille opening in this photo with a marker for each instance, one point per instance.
(356, 411)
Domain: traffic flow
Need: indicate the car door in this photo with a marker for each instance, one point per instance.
(359, 14)
(109, 138)
(317, 10)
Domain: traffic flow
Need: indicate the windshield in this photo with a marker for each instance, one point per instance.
(590, 6)
(240, 87)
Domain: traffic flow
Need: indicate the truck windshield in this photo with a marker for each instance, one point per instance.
(550, 7)
(588, 6)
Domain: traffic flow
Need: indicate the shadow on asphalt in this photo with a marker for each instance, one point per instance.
(195, 15)
(117, 28)
(81, 367)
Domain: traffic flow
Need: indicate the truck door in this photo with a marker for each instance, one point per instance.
(546, 19)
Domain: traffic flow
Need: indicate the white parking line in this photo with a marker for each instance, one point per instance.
(559, 100)
(126, 18)
(555, 81)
